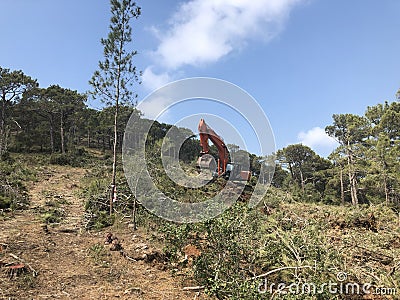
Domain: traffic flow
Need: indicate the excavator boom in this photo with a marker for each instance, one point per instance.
(205, 160)
(207, 133)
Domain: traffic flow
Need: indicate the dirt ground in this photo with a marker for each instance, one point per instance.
(72, 263)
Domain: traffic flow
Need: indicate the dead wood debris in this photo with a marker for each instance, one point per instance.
(193, 288)
(15, 270)
(368, 255)
(145, 254)
(25, 264)
(112, 240)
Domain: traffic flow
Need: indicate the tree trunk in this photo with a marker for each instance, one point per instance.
(134, 213)
(352, 176)
(341, 185)
(6, 139)
(302, 181)
(292, 172)
(386, 188)
(62, 135)
(3, 127)
(354, 189)
(72, 138)
(114, 167)
(88, 138)
(52, 136)
(117, 95)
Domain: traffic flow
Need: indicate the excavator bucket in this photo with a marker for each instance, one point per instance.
(206, 161)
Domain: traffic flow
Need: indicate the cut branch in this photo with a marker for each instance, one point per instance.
(34, 272)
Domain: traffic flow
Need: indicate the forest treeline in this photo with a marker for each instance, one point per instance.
(365, 167)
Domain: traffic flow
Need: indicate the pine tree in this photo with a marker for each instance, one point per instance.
(116, 72)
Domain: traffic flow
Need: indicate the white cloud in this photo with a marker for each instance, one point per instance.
(154, 107)
(317, 139)
(153, 81)
(203, 31)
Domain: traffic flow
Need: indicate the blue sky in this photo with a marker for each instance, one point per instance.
(302, 60)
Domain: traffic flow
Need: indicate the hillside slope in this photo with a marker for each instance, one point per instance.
(73, 263)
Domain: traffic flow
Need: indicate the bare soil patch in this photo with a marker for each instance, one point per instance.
(72, 263)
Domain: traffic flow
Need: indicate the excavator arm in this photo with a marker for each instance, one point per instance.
(206, 160)
(206, 133)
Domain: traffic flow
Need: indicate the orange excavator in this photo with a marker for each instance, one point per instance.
(207, 161)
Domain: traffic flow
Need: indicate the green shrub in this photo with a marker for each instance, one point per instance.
(5, 202)
(6, 157)
(99, 220)
(99, 254)
(13, 193)
(60, 159)
(177, 236)
(97, 202)
(76, 157)
(53, 215)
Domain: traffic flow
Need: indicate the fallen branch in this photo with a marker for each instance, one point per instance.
(193, 288)
(372, 255)
(123, 253)
(280, 269)
(34, 272)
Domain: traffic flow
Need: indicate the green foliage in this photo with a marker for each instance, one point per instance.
(99, 255)
(308, 172)
(76, 158)
(26, 281)
(117, 72)
(61, 159)
(96, 205)
(54, 215)
(285, 242)
(289, 237)
(13, 174)
(13, 84)
(177, 237)
(96, 191)
(5, 202)
(101, 219)
(228, 257)
(54, 119)
(114, 79)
